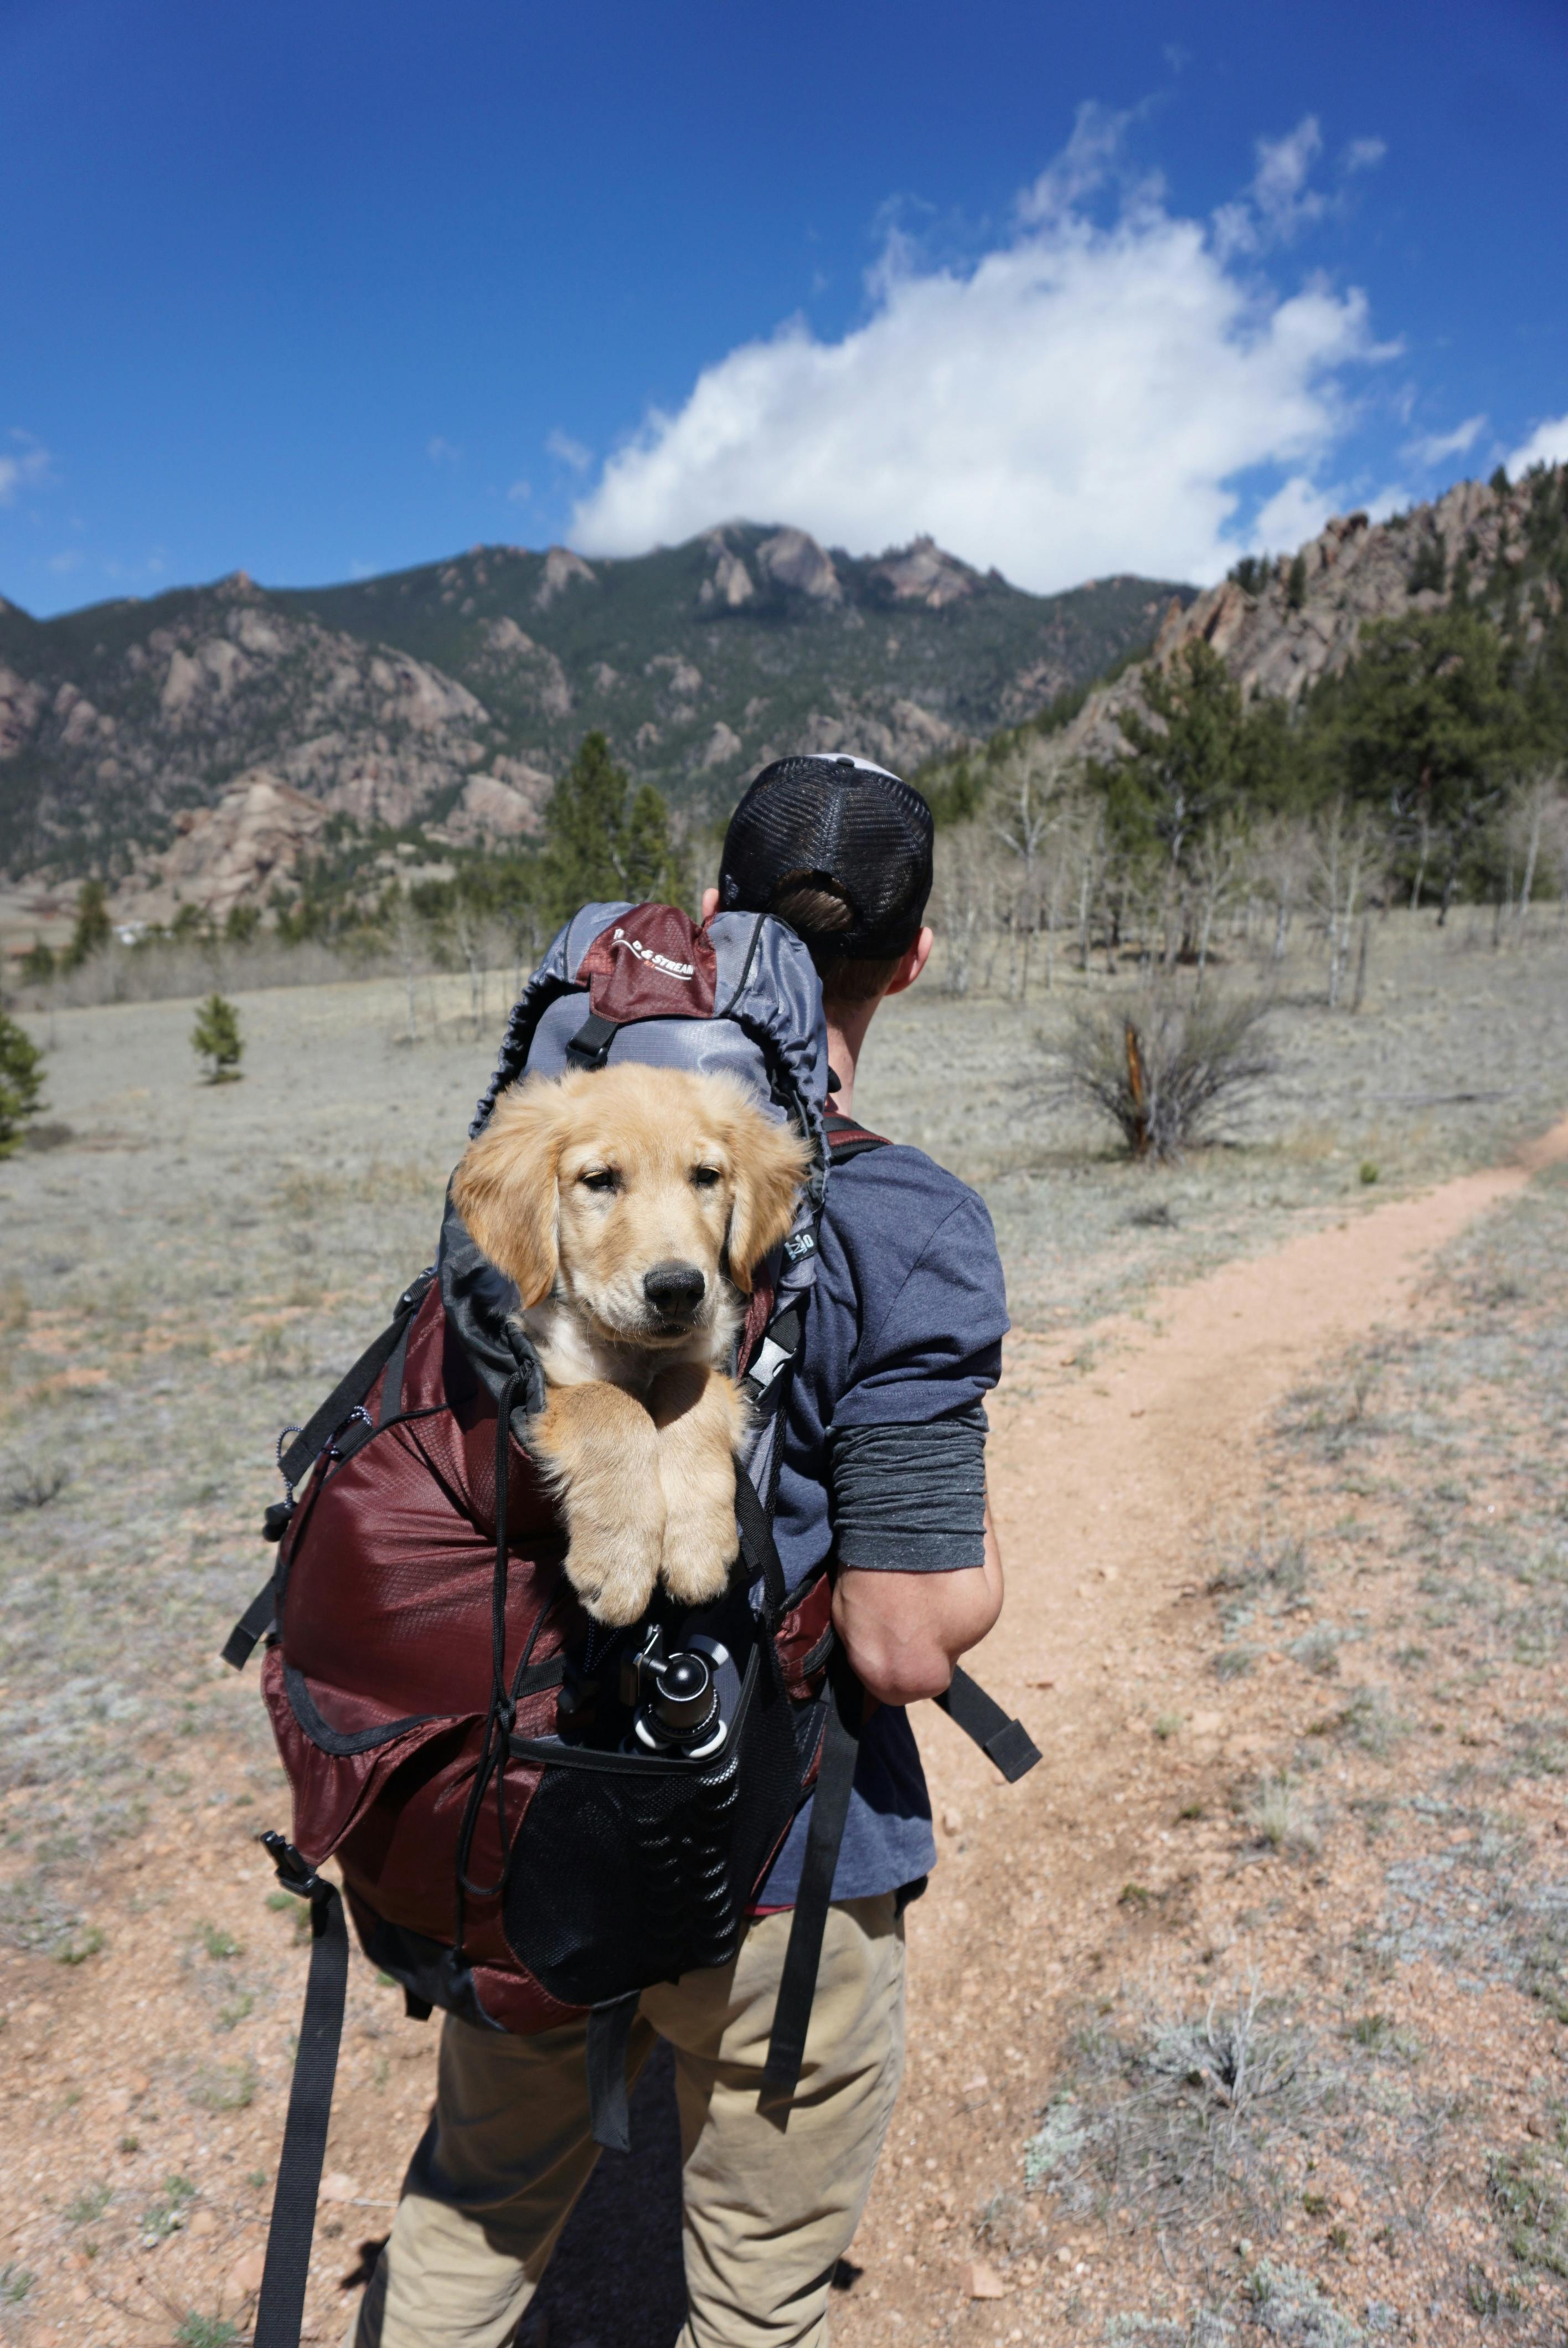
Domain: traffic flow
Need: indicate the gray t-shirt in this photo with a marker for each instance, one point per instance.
(904, 1332)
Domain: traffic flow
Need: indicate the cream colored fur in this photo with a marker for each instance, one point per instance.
(577, 1188)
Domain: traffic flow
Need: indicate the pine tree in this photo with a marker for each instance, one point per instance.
(216, 1038)
(93, 928)
(1295, 586)
(583, 820)
(1188, 757)
(1427, 723)
(649, 865)
(603, 840)
(21, 1082)
(38, 963)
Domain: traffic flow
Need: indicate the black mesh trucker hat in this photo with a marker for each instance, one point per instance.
(840, 821)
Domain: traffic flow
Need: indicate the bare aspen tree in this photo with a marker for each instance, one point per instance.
(406, 938)
(1282, 857)
(963, 893)
(1021, 816)
(1218, 869)
(1343, 842)
(1530, 826)
(466, 928)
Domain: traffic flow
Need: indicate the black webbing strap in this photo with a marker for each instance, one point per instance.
(1006, 1742)
(813, 1896)
(295, 1463)
(281, 2307)
(758, 1548)
(847, 1139)
(391, 1384)
(589, 1047)
(609, 2036)
(254, 1624)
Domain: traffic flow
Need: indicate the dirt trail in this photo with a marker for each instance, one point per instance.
(1111, 1472)
(1125, 1470)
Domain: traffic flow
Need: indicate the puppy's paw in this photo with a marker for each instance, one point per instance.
(614, 1579)
(701, 1545)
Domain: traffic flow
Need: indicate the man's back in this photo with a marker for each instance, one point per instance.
(883, 1450)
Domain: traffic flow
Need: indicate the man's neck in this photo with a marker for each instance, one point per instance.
(846, 1043)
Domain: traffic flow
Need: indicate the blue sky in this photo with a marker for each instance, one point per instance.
(326, 289)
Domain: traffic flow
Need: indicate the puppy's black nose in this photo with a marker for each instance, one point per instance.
(673, 1287)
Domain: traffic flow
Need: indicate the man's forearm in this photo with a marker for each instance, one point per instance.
(903, 1633)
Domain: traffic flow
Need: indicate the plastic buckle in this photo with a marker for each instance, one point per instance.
(295, 1873)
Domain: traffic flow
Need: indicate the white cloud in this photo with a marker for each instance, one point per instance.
(520, 492)
(1281, 190)
(1434, 447)
(570, 452)
(27, 467)
(1547, 445)
(441, 450)
(1084, 398)
(1364, 154)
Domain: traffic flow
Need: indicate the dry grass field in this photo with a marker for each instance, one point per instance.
(1244, 2018)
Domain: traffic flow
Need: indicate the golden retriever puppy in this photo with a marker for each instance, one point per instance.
(630, 1207)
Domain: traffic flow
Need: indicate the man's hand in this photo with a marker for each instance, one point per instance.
(904, 1632)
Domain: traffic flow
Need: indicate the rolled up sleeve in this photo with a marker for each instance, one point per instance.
(907, 1444)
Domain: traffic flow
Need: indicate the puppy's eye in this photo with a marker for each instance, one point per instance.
(704, 1176)
(603, 1178)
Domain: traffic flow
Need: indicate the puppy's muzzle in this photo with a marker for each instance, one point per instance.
(674, 1291)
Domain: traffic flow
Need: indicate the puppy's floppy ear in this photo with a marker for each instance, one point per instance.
(506, 1187)
(771, 1162)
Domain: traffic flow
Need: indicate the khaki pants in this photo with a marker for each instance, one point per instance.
(769, 2210)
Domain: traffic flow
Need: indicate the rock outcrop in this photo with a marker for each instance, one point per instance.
(230, 854)
(922, 573)
(1284, 623)
(794, 559)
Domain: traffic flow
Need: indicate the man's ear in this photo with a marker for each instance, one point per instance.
(506, 1187)
(771, 1163)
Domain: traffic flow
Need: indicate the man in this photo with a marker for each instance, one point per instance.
(883, 1464)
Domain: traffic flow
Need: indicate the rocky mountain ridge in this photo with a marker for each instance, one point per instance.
(1280, 625)
(162, 742)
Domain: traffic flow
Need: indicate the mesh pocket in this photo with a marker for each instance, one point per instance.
(625, 1872)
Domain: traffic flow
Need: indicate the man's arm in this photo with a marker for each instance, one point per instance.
(903, 1633)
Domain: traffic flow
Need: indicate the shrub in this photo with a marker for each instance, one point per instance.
(1170, 2113)
(1160, 1068)
(224, 2087)
(21, 1082)
(1278, 1819)
(32, 1485)
(216, 1038)
(199, 2330)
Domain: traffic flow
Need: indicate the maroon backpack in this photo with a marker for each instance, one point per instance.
(534, 1816)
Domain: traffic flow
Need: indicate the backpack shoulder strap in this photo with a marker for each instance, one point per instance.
(389, 1352)
(846, 1138)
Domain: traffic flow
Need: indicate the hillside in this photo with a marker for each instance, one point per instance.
(449, 696)
(1282, 625)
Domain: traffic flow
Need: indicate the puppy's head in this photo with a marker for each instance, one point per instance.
(633, 1194)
